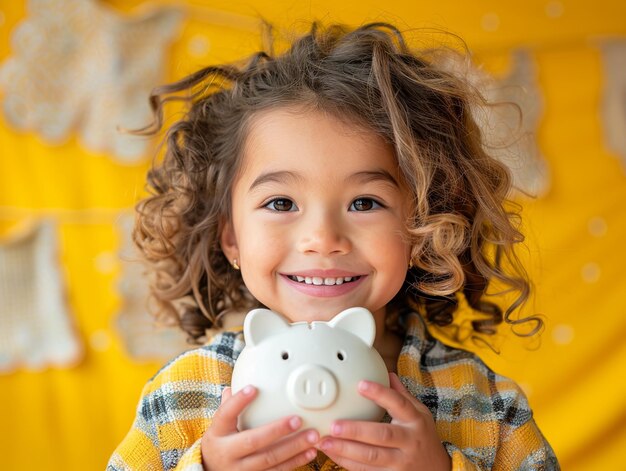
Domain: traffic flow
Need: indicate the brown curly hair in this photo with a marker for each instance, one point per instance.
(462, 234)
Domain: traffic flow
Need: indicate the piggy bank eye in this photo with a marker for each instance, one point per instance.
(285, 355)
(341, 355)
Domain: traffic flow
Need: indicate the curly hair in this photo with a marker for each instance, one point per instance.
(462, 234)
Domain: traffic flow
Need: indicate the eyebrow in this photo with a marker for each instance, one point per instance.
(375, 175)
(282, 176)
(285, 176)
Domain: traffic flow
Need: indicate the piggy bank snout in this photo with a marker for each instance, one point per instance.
(312, 387)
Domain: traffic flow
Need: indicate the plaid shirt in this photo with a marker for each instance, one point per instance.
(483, 419)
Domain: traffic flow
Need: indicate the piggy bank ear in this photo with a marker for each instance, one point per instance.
(260, 324)
(358, 321)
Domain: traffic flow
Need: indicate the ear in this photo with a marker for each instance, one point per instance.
(260, 324)
(228, 241)
(358, 321)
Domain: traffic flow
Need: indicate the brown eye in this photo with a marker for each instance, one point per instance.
(364, 204)
(281, 204)
(285, 355)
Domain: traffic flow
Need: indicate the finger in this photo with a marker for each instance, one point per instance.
(359, 452)
(284, 452)
(226, 394)
(298, 460)
(371, 433)
(397, 385)
(225, 417)
(352, 465)
(253, 440)
(399, 406)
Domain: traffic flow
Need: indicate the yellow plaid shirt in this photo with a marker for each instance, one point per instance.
(483, 419)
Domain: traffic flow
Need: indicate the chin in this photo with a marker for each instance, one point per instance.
(316, 314)
(299, 312)
(310, 310)
(312, 317)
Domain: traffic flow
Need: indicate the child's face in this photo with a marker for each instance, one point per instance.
(318, 200)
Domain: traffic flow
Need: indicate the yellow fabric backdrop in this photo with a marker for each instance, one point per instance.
(72, 418)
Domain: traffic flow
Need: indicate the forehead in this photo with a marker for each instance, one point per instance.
(308, 140)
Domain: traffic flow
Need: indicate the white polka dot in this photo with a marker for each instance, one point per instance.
(597, 226)
(490, 21)
(590, 272)
(199, 46)
(554, 9)
(563, 334)
(106, 262)
(100, 340)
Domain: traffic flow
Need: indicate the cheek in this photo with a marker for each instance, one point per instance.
(389, 244)
(392, 255)
(261, 249)
(261, 246)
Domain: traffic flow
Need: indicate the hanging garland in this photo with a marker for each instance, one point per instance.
(36, 329)
(77, 65)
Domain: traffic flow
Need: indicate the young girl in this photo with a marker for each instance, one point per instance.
(345, 172)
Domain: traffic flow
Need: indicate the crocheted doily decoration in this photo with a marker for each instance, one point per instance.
(76, 65)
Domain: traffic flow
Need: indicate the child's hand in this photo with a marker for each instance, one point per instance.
(272, 446)
(410, 441)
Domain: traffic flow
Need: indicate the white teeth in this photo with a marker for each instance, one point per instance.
(318, 281)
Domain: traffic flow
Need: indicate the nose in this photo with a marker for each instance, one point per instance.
(325, 236)
(312, 387)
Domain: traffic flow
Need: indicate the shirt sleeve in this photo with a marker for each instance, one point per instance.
(191, 459)
(520, 444)
(460, 462)
(140, 448)
(524, 448)
(175, 409)
(153, 443)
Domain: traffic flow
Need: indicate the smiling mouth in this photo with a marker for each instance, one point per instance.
(319, 281)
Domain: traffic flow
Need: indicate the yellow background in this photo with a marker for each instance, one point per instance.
(72, 418)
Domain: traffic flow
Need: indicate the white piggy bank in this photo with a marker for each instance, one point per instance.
(311, 370)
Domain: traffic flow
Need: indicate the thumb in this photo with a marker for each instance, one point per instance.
(225, 417)
(226, 394)
(396, 385)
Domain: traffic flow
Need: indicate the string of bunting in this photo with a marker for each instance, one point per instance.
(66, 215)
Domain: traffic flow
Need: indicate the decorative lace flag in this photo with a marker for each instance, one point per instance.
(35, 326)
(510, 131)
(509, 123)
(614, 96)
(140, 334)
(77, 65)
